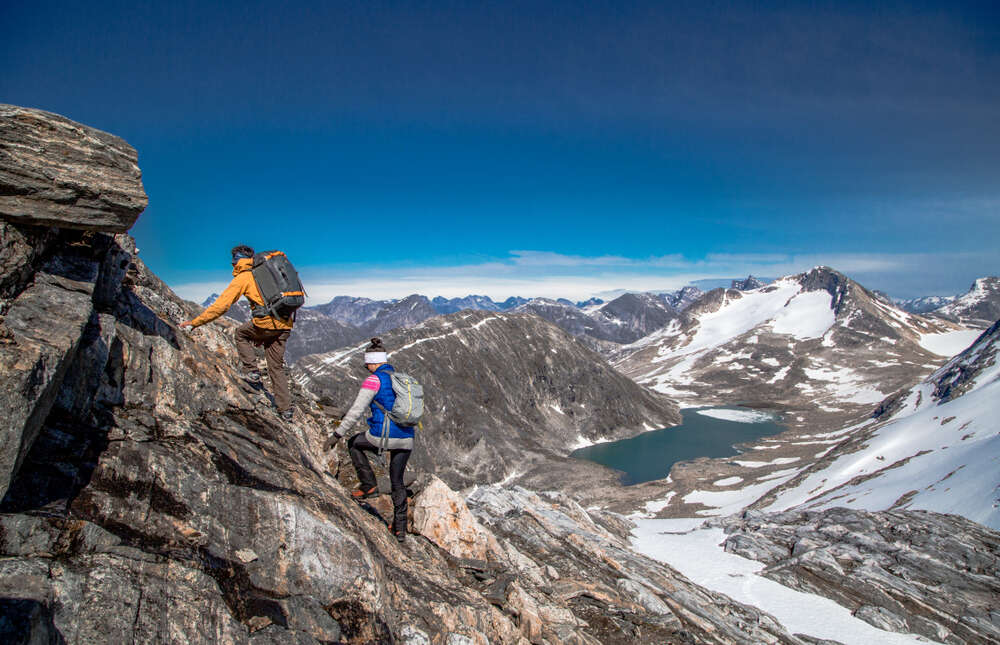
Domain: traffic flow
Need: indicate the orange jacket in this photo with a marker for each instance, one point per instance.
(243, 284)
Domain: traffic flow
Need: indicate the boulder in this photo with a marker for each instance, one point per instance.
(440, 515)
(56, 172)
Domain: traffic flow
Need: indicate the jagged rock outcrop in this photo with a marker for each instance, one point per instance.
(154, 497)
(747, 284)
(440, 515)
(902, 571)
(54, 171)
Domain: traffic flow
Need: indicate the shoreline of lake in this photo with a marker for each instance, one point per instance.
(713, 432)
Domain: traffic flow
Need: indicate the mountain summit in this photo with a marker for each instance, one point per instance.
(816, 340)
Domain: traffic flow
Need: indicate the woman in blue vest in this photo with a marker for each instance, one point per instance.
(382, 434)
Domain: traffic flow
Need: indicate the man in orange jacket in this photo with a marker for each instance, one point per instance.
(267, 331)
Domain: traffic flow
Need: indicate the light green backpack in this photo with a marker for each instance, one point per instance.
(409, 405)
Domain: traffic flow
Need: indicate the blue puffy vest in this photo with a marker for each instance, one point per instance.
(386, 398)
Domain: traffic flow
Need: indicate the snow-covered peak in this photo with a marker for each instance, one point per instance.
(748, 284)
(980, 305)
(925, 304)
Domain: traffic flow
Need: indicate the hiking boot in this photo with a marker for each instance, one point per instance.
(251, 376)
(400, 535)
(359, 493)
(287, 415)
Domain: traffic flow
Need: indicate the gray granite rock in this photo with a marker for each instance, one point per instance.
(56, 172)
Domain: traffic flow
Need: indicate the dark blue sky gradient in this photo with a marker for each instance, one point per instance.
(445, 134)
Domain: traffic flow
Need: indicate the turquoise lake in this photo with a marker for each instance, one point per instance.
(650, 455)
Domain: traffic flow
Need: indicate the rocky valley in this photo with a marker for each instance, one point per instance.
(149, 494)
(509, 395)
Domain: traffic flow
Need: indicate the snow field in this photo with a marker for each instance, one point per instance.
(697, 554)
(938, 457)
(807, 316)
(949, 343)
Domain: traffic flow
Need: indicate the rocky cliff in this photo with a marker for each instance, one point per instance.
(149, 495)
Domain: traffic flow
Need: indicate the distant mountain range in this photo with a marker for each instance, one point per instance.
(346, 319)
(603, 326)
(979, 306)
(924, 304)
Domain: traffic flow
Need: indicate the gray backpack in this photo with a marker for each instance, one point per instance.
(409, 405)
(279, 286)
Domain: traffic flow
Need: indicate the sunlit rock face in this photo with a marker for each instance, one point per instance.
(60, 173)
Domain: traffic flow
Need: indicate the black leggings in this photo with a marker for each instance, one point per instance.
(358, 445)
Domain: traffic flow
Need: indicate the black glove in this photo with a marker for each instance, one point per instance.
(331, 442)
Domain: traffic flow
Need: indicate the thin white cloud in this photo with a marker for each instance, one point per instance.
(553, 275)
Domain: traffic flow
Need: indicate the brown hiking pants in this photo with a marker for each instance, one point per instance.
(273, 342)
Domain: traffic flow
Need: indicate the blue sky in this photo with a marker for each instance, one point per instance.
(529, 148)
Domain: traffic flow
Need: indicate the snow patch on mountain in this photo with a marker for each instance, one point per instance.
(735, 317)
(696, 554)
(807, 315)
(949, 343)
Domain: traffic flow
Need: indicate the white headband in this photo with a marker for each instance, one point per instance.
(376, 357)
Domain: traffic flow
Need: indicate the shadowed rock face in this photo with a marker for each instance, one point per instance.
(54, 171)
